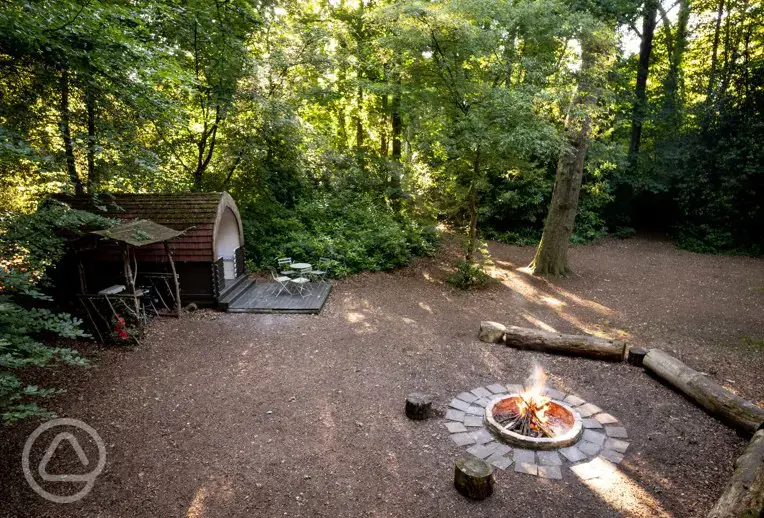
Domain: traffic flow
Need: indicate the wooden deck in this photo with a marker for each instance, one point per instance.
(261, 298)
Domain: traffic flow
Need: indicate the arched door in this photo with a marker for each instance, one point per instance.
(227, 242)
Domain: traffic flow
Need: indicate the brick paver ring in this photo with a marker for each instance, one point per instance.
(601, 446)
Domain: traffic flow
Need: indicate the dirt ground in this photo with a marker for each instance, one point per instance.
(272, 415)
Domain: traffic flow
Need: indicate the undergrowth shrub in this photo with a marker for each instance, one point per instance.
(29, 243)
(353, 231)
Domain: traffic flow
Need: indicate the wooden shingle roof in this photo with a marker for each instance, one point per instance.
(194, 213)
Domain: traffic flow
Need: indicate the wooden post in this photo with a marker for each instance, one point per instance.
(739, 413)
(130, 277)
(174, 278)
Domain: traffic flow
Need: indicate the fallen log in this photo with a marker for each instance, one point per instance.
(744, 493)
(576, 345)
(491, 332)
(737, 412)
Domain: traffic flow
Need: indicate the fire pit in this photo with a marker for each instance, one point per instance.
(531, 420)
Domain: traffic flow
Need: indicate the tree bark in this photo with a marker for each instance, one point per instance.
(66, 134)
(383, 127)
(90, 105)
(739, 413)
(673, 103)
(576, 345)
(715, 51)
(472, 230)
(552, 253)
(744, 493)
(359, 121)
(649, 21)
(397, 123)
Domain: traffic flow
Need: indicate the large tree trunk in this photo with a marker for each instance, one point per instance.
(66, 134)
(744, 493)
(552, 253)
(649, 22)
(90, 105)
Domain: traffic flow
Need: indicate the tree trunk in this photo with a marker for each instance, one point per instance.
(66, 134)
(576, 345)
(383, 127)
(715, 51)
(90, 104)
(552, 253)
(739, 413)
(649, 21)
(744, 493)
(397, 122)
(359, 121)
(472, 230)
(673, 104)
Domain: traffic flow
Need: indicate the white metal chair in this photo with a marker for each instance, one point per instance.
(282, 281)
(301, 284)
(323, 269)
(285, 266)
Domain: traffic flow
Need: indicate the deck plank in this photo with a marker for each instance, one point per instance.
(261, 298)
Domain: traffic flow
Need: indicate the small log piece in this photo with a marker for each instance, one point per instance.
(473, 478)
(744, 493)
(418, 406)
(491, 332)
(737, 412)
(636, 356)
(576, 345)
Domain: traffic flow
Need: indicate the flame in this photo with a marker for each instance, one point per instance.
(533, 402)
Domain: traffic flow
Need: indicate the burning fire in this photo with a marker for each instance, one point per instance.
(529, 414)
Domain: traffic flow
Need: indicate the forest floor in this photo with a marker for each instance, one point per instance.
(270, 415)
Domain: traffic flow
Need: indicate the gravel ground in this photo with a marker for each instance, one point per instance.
(274, 415)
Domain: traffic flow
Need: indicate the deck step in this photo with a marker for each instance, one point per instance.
(235, 291)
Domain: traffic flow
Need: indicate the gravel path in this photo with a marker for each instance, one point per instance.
(268, 415)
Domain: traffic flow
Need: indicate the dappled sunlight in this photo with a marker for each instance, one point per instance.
(215, 489)
(407, 320)
(425, 307)
(619, 491)
(521, 281)
(197, 507)
(538, 323)
(354, 317)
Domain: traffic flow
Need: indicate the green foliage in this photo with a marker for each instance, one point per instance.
(468, 276)
(353, 231)
(28, 244)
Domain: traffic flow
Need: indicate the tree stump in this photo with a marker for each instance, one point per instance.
(491, 332)
(418, 406)
(636, 356)
(744, 493)
(739, 413)
(576, 345)
(473, 478)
